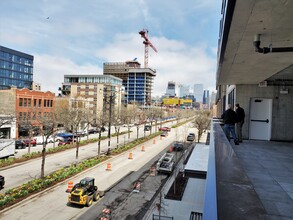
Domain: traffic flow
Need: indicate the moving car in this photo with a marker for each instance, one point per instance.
(178, 147)
(165, 129)
(164, 134)
(190, 137)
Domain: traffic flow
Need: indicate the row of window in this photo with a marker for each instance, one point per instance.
(14, 82)
(15, 75)
(34, 115)
(27, 102)
(97, 79)
(16, 67)
(15, 59)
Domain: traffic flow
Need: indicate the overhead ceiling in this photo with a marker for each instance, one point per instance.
(273, 20)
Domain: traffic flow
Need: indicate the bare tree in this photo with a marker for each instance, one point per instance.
(74, 118)
(47, 123)
(202, 122)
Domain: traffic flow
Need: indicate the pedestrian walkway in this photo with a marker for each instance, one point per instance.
(269, 167)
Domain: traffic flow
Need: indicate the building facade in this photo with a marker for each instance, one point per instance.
(29, 109)
(170, 91)
(137, 81)
(183, 91)
(16, 69)
(265, 94)
(198, 92)
(94, 89)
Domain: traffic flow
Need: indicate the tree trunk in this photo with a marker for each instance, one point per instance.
(43, 160)
(77, 148)
(128, 132)
(137, 130)
(99, 143)
(118, 136)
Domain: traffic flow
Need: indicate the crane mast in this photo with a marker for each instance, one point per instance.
(144, 34)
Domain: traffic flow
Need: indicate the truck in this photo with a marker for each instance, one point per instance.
(7, 148)
(166, 163)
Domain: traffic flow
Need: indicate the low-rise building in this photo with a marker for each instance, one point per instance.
(29, 109)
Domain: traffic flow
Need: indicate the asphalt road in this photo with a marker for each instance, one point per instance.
(21, 173)
(51, 204)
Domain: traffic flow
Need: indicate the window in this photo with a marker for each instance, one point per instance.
(20, 116)
(29, 102)
(45, 102)
(35, 103)
(24, 102)
(40, 102)
(21, 102)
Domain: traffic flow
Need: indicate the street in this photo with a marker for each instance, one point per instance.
(52, 202)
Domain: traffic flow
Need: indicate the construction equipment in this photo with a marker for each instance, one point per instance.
(147, 43)
(85, 192)
(166, 163)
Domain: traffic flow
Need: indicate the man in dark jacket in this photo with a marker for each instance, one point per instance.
(229, 119)
(239, 121)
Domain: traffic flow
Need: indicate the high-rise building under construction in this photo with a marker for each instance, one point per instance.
(136, 80)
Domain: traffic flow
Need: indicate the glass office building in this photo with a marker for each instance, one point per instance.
(16, 69)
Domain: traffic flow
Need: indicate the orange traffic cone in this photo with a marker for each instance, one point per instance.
(130, 156)
(70, 186)
(142, 148)
(108, 167)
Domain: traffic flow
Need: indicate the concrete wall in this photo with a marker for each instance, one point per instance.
(282, 113)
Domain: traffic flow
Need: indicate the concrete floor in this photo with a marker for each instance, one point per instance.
(269, 167)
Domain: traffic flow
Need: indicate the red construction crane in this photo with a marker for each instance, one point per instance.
(147, 43)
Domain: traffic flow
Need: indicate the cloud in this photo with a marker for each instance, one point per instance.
(175, 60)
(50, 71)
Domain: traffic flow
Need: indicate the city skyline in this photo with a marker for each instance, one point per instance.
(66, 37)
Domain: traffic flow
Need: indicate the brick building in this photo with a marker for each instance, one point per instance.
(29, 108)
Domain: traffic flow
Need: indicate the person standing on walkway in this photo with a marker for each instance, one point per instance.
(240, 121)
(229, 119)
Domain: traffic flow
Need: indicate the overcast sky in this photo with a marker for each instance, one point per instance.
(77, 37)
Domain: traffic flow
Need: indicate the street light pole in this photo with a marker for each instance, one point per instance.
(110, 116)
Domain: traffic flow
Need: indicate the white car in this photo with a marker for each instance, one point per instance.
(39, 139)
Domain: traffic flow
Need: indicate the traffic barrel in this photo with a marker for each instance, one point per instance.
(154, 141)
(130, 156)
(70, 186)
(108, 167)
(142, 148)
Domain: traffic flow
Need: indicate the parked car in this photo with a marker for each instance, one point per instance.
(164, 129)
(190, 137)
(147, 128)
(2, 182)
(31, 141)
(63, 136)
(92, 131)
(19, 144)
(39, 139)
(66, 141)
(178, 147)
(164, 134)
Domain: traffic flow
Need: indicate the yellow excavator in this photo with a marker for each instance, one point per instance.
(85, 192)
